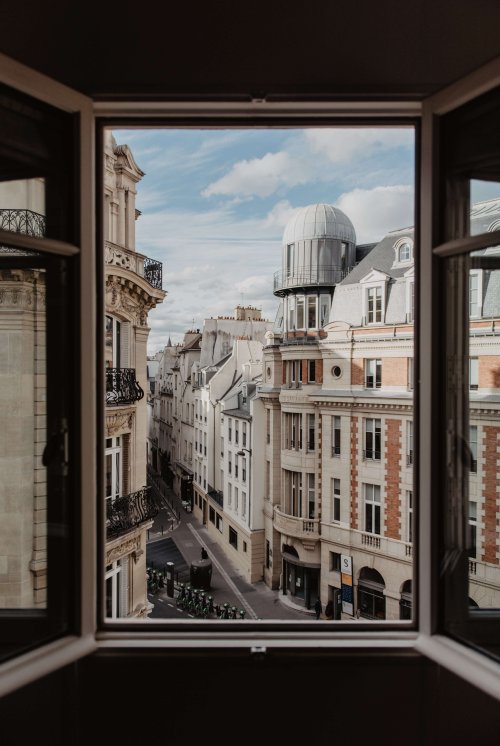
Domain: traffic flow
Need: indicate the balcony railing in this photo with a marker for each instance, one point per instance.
(216, 495)
(305, 276)
(153, 272)
(356, 539)
(293, 526)
(129, 511)
(122, 386)
(23, 221)
(150, 269)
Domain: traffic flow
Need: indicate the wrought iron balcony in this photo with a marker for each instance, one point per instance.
(119, 256)
(308, 276)
(153, 273)
(129, 511)
(216, 495)
(23, 221)
(122, 386)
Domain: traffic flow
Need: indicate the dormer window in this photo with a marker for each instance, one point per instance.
(374, 305)
(404, 250)
(374, 297)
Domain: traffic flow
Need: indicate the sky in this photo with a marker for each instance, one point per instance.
(214, 205)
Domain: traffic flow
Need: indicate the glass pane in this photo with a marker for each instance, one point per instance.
(485, 204)
(483, 395)
(23, 437)
(320, 227)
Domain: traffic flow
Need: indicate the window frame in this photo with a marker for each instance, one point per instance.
(456, 657)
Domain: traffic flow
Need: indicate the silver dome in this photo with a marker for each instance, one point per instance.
(319, 221)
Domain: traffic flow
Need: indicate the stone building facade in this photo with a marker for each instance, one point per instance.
(133, 287)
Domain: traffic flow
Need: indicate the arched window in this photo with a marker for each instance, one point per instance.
(371, 599)
(406, 601)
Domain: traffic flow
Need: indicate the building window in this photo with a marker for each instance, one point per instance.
(268, 425)
(236, 500)
(410, 369)
(236, 432)
(373, 435)
(222, 447)
(371, 598)
(233, 537)
(311, 432)
(373, 373)
(293, 493)
(472, 544)
(311, 311)
(112, 343)
(404, 252)
(211, 515)
(335, 561)
(291, 312)
(374, 305)
(243, 504)
(292, 431)
(218, 522)
(336, 500)
(243, 470)
(324, 310)
(268, 554)
(113, 589)
(409, 514)
(229, 429)
(311, 371)
(236, 466)
(372, 508)
(311, 496)
(475, 291)
(300, 312)
(229, 464)
(244, 546)
(335, 436)
(473, 447)
(410, 314)
(409, 442)
(113, 456)
(229, 493)
(244, 434)
(473, 373)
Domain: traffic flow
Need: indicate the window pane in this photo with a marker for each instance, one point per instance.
(23, 438)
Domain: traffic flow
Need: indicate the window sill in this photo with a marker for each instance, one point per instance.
(469, 664)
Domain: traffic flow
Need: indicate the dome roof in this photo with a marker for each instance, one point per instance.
(319, 221)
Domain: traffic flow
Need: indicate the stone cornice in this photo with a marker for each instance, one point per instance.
(119, 422)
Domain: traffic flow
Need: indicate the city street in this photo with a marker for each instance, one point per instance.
(177, 536)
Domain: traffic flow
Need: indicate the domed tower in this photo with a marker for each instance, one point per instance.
(319, 249)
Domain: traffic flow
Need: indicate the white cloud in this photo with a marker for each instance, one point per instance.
(374, 212)
(279, 215)
(261, 176)
(343, 145)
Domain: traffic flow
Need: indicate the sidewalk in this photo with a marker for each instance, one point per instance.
(227, 585)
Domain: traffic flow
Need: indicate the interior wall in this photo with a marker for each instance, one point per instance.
(181, 698)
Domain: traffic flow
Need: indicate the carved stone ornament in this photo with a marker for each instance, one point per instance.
(118, 257)
(119, 422)
(121, 550)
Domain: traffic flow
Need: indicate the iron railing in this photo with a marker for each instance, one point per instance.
(129, 511)
(122, 386)
(23, 221)
(153, 272)
(216, 495)
(306, 275)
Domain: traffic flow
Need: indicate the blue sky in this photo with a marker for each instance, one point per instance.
(214, 205)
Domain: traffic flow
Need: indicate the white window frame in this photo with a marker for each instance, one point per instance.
(476, 309)
(372, 496)
(336, 500)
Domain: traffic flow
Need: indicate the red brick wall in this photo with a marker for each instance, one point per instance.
(354, 472)
(357, 372)
(304, 371)
(392, 479)
(489, 372)
(394, 371)
(319, 371)
(490, 481)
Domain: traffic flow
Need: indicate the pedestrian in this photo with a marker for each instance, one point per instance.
(317, 607)
(204, 553)
(329, 610)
